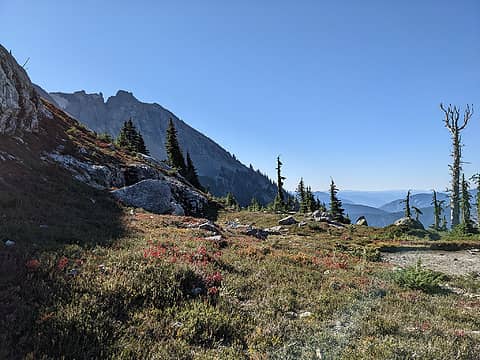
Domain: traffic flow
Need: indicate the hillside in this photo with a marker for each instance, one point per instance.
(218, 170)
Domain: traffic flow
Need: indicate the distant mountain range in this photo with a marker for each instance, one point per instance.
(218, 170)
(358, 203)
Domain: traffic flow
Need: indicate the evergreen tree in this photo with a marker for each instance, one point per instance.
(437, 210)
(311, 203)
(279, 202)
(254, 205)
(336, 210)
(408, 212)
(131, 139)
(191, 173)
(174, 154)
(230, 201)
(466, 206)
(301, 196)
(476, 179)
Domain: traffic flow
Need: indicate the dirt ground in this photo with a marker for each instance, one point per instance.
(448, 262)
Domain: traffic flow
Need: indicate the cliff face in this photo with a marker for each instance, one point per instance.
(19, 103)
(218, 170)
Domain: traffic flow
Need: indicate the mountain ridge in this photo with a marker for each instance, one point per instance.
(219, 171)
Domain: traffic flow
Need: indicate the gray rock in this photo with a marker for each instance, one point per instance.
(258, 233)
(305, 314)
(151, 195)
(275, 230)
(9, 243)
(289, 220)
(214, 238)
(409, 222)
(20, 106)
(302, 223)
(361, 221)
(197, 291)
(322, 216)
(209, 226)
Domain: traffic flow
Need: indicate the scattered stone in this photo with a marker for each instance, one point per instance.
(214, 238)
(43, 226)
(275, 230)
(321, 216)
(474, 251)
(291, 314)
(258, 233)
(73, 272)
(197, 291)
(305, 314)
(361, 221)
(9, 243)
(410, 223)
(209, 226)
(302, 223)
(289, 220)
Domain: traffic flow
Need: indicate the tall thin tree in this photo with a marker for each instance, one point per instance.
(476, 179)
(279, 202)
(455, 126)
(174, 153)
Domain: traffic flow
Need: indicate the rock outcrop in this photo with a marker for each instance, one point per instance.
(19, 103)
(410, 223)
(161, 197)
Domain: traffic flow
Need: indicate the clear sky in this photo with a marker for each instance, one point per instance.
(348, 89)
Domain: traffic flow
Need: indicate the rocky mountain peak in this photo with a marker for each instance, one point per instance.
(19, 102)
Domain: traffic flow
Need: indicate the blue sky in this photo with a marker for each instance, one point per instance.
(348, 89)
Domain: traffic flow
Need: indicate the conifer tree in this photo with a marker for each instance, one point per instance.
(230, 201)
(174, 154)
(311, 204)
(140, 144)
(466, 206)
(254, 205)
(452, 117)
(279, 202)
(476, 179)
(301, 196)
(408, 212)
(437, 210)
(336, 209)
(131, 139)
(191, 173)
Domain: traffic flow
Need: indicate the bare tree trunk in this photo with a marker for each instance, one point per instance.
(452, 116)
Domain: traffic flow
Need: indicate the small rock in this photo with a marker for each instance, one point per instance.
(210, 226)
(302, 223)
(291, 314)
(9, 243)
(361, 221)
(326, 272)
(305, 314)
(73, 272)
(197, 291)
(274, 230)
(214, 238)
(289, 220)
(258, 233)
(43, 226)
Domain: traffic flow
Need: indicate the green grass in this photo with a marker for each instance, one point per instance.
(152, 290)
